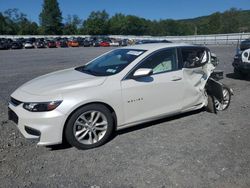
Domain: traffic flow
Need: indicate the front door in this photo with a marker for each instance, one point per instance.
(156, 95)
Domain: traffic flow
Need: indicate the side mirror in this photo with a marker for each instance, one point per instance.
(142, 72)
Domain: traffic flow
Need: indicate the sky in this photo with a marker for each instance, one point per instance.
(149, 9)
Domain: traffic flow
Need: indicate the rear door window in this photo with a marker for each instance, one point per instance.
(193, 57)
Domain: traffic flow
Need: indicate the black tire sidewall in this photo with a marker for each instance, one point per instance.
(210, 105)
(69, 135)
(229, 93)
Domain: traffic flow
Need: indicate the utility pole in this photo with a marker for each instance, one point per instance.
(195, 30)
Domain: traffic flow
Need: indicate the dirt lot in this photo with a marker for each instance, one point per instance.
(197, 149)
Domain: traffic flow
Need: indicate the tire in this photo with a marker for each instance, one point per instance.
(86, 127)
(226, 100)
(239, 73)
(210, 104)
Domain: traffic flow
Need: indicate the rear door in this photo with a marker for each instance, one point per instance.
(193, 62)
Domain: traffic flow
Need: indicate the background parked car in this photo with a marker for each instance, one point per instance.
(104, 44)
(73, 43)
(241, 61)
(245, 45)
(124, 42)
(62, 44)
(51, 44)
(96, 43)
(80, 41)
(28, 45)
(114, 43)
(40, 44)
(151, 41)
(87, 43)
(4, 45)
(16, 45)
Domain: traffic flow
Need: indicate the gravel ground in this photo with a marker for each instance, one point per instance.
(197, 149)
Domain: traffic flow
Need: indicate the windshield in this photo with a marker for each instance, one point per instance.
(111, 63)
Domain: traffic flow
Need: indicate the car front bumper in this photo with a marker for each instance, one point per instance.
(46, 127)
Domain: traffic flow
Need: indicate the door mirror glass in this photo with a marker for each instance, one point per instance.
(142, 72)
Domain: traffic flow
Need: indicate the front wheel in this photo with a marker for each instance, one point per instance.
(90, 126)
(223, 105)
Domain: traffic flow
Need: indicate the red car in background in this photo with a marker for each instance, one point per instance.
(73, 43)
(62, 44)
(51, 44)
(104, 44)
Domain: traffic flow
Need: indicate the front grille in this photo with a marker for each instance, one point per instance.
(14, 101)
(12, 116)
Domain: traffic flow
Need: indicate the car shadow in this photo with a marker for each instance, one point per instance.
(155, 122)
(238, 77)
(61, 146)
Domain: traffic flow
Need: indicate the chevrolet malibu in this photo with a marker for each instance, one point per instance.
(122, 88)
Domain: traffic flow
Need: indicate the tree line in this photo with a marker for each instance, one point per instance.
(14, 22)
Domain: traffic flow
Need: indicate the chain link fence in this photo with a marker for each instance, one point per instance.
(216, 39)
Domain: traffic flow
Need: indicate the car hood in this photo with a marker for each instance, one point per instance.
(60, 82)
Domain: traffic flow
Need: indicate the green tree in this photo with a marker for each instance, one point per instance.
(230, 21)
(155, 28)
(135, 25)
(97, 23)
(3, 25)
(10, 19)
(214, 23)
(203, 27)
(51, 18)
(117, 24)
(128, 25)
(27, 28)
(72, 25)
(13, 22)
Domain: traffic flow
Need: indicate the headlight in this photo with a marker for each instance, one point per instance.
(41, 106)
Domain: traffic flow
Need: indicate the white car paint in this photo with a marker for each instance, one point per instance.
(114, 43)
(133, 101)
(246, 56)
(28, 45)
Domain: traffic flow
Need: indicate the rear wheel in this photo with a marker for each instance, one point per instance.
(89, 127)
(223, 105)
(210, 104)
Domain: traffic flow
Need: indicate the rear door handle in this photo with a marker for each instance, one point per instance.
(176, 78)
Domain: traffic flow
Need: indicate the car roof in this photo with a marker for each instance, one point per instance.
(157, 46)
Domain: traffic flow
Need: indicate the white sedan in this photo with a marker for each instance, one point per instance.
(122, 88)
(28, 44)
(114, 43)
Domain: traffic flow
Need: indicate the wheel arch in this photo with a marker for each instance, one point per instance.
(101, 103)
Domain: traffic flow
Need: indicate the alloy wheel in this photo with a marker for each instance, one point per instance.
(90, 127)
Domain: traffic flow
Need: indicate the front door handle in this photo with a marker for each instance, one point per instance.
(176, 78)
